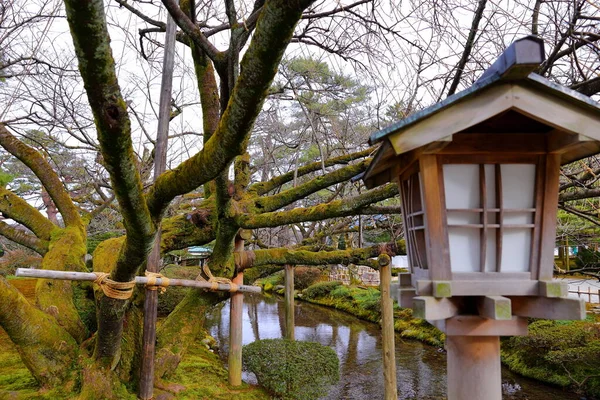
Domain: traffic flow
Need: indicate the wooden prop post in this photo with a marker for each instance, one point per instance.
(289, 302)
(235, 325)
(139, 280)
(160, 162)
(387, 329)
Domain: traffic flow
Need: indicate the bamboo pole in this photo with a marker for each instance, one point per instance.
(289, 303)
(139, 280)
(387, 329)
(235, 327)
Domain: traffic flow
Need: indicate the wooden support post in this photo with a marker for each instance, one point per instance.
(149, 332)
(160, 163)
(387, 329)
(235, 327)
(289, 303)
(473, 368)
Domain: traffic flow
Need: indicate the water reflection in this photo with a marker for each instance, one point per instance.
(420, 368)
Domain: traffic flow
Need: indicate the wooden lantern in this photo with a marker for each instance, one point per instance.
(478, 175)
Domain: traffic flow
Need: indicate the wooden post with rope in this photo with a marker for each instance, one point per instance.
(387, 329)
(289, 302)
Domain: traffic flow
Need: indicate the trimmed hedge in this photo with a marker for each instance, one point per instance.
(292, 370)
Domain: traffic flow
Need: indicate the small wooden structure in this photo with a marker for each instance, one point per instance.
(478, 175)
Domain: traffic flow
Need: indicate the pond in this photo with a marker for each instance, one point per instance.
(421, 369)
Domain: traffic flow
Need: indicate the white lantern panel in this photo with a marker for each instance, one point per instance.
(518, 186)
(490, 251)
(461, 183)
(490, 185)
(464, 249)
(517, 218)
(516, 250)
(463, 217)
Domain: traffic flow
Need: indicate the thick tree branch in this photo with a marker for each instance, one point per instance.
(45, 348)
(258, 69)
(338, 208)
(265, 187)
(272, 203)
(186, 25)
(92, 45)
(578, 194)
(280, 256)
(24, 239)
(14, 207)
(45, 173)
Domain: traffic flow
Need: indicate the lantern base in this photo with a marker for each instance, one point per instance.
(474, 368)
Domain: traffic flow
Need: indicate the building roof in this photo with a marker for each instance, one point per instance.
(508, 86)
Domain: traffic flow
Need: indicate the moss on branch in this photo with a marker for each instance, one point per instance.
(18, 209)
(272, 203)
(45, 173)
(265, 187)
(361, 256)
(338, 208)
(24, 239)
(92, 46)
(186, 230)
(55, 297)
(47, 350)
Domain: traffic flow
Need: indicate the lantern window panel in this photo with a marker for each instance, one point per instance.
(414, 221)
(490, 211)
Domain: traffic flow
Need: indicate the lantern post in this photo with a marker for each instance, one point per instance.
(478, 175)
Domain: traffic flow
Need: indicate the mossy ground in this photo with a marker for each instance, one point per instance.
(201, 374)
(205, 378)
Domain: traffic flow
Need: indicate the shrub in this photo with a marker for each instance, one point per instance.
(305, 276)
(271, 281)
(290, 369)
(320, 289)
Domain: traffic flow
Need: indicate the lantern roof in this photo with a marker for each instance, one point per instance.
(508, 97)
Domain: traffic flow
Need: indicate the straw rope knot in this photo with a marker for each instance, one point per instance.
(114, 289)
(152, 279)
(215, 281)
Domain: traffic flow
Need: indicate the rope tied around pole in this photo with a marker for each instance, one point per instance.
(214, 281)
(114, 289)
(151, 284)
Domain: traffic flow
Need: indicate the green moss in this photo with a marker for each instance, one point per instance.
(563, 353)
(292, 369)
(442, 289)
(201, 362)
(271, 281)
